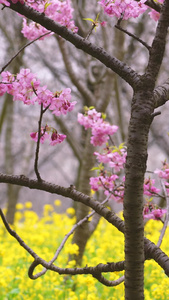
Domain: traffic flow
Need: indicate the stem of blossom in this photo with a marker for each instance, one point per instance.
(38, 144)
(167, 215)
(88, 35)
(20, 50)
(111, 140)
(42, 111)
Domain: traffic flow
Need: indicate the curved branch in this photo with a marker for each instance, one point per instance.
(107, 282)
(123, 70)
(151, 250)
(95, 271)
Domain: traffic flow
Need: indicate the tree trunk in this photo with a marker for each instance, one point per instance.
(142, 108)
(83, 233)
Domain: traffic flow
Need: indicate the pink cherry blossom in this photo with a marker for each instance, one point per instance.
(106, 182)
(44, 136)
(61, 104)
(26, 87)
(124, 9)
(50, 133)
(59, 11)
(164, 172)
(155, 214)
(90, 119)
(149, 188)
(57, 138)
(99, 128)
(33, 30)
(115, 159)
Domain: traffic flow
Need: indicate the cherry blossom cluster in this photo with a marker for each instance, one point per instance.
(110, 184)
(123, 9)
(59, 11)
(164, 174)
(153, 212)
(112, 161)
(115, 157)
(50, 133)
(100, 129)
(149, 187)
(26, 87)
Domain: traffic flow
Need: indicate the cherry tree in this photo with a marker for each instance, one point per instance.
(55, 17)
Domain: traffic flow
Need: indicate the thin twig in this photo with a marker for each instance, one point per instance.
(38, 145)
(25, 46)
(68, 235)
(133, 36)
(166, 218)
(90, 31)
(42, 111)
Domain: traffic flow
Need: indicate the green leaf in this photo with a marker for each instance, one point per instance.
(91, 107)
(103, 116)
(97, 17)
(47, 4)
(89, 19)
(94, 168)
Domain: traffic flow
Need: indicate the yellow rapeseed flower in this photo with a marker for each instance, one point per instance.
(70, 211)
(28, 204)
(57, 202)
(19, 206)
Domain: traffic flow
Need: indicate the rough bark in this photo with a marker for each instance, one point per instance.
(133, 202)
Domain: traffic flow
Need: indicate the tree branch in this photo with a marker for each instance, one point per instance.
(123, 70)
(158, 45)
(21, 49)
(151, 250)
(118, 26)
(161, 94)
